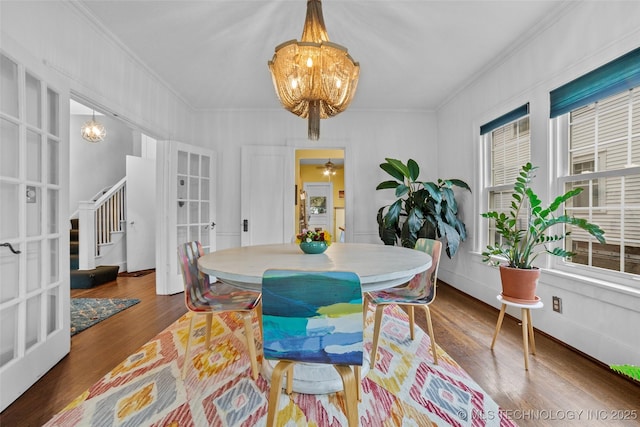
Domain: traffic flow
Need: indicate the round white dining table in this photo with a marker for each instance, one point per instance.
(378, 266)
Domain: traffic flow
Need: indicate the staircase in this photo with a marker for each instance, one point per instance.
(84, 279)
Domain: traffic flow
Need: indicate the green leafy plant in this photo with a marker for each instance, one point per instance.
(629, 370)
(423, 209)
(519, 245)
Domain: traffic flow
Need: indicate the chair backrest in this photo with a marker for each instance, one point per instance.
(423, 284)
(312, 316)
(196, 283)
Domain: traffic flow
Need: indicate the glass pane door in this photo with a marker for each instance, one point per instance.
(193, 199)
(34, 298)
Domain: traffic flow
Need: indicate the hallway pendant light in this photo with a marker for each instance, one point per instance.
(93, 131)
(314, 78)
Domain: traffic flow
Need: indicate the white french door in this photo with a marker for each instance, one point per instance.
(188, 207)
(34, 225)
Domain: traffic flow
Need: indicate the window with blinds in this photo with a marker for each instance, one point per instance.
(508, 148)
(603, 156)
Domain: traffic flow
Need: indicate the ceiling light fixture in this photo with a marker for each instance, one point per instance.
(329, 168)
(93, 131)
(314, 78)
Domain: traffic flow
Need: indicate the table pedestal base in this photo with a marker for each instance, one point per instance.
(312, 378)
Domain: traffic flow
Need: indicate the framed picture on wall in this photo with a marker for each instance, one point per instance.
(318, 205)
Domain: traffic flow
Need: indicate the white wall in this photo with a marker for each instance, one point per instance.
(94, 166)
(599, 319)
(367, 136)
(97, 68)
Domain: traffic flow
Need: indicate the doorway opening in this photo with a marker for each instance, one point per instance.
(103, 173)
(320, 191)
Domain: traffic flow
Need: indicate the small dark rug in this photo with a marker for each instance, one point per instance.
(86, 312)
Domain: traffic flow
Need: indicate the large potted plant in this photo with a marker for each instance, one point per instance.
(422, 210)
(521, 245)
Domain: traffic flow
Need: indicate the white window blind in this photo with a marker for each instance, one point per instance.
(603, 157)
(508, 148)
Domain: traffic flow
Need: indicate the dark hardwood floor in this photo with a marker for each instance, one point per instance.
(561, 387)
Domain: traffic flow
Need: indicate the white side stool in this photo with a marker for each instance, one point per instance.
(527, 326)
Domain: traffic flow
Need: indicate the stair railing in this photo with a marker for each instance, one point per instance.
(97, 220)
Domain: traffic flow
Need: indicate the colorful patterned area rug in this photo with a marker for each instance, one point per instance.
(86, 312)
(404, 389)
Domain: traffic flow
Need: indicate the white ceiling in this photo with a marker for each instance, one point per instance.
(413, 55)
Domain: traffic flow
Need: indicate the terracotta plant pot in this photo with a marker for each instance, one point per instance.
(519, 285)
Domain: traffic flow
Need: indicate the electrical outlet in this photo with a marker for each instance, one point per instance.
(557, 304)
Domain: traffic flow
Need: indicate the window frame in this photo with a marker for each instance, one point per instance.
(560, 139)
(485, 141)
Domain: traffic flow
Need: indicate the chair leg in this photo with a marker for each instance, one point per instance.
(289, 388)
(376, 334)
(434, 352)
(358, 373)
(251, 344)
(207, 334)
(276, 386)
(411, 321)
(365, 308)
(350, 394)
(186, 353)
(259, 314)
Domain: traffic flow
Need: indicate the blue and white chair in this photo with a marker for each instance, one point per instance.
(313, 317)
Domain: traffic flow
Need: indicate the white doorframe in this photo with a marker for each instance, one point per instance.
(349, 178)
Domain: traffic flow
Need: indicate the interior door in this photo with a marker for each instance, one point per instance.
(34, 224)
(267, 195)
(188, 198)
(319, 202)
(141, 213)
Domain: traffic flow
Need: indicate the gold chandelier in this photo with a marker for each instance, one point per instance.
(314, 78)
(93, 131)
